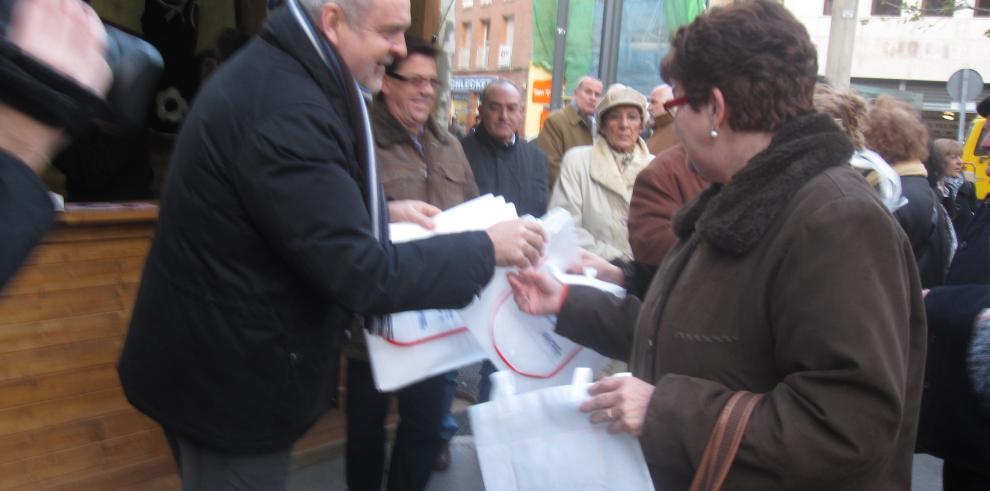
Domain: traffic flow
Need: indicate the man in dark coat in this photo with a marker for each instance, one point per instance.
(272, 239)
(504, 164)
(29, 134)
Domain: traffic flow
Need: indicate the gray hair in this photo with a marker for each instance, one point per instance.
(350, 7)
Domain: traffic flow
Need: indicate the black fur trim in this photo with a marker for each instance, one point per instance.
(733, 217)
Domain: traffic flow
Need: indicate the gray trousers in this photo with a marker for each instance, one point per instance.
(205, 469)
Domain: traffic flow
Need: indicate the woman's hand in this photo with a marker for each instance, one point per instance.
(537, 293)
(622, 401)
(410, 210)
(606, 270)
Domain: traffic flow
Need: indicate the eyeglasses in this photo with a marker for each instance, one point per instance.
(417, 81)
(672, 105)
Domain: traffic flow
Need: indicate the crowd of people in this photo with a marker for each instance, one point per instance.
(755, 257)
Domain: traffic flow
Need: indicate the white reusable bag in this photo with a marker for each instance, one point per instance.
(527, 345)
(430, 342)
(539, 441)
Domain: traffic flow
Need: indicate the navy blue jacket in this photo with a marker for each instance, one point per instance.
(264, 256)
(517, 171)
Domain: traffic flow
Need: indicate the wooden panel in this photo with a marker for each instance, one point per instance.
(73, 434)
(66, 303)
(40, 415)
(51, 359)
(64, 252)
(17, 337)
(95, 455)
(101, 232)
(157, 474)
(57, 385)
(69, 276)
(64, 421)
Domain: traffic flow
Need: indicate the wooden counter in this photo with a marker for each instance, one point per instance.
(64, 421)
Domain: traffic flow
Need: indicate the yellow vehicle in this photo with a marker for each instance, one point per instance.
(975, 157)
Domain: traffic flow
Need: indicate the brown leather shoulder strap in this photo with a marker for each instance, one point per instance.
(724, 441)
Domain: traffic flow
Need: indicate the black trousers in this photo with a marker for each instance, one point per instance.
(422, 409)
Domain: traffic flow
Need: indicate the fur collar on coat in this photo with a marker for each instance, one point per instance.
(734, 216)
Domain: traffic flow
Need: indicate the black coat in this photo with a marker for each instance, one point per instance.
(26, 213)
(517, 171)
(264, 256)
(971, 264)
(953, 425)
(927, 226)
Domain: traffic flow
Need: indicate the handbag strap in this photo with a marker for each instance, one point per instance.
(724, 441)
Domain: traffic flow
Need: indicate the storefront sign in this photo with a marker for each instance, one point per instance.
(541, 91)
(469, 84)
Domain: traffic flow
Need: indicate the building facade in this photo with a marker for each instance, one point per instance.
(909, 49)
(493, 40)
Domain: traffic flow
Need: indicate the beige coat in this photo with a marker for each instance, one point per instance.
(597, 195)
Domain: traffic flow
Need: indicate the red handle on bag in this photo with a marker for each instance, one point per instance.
(491, 328)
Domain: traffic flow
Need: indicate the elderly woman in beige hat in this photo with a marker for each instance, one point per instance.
(596, 181)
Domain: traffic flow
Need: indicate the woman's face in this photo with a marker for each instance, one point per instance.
(621, 127)
(953, 164)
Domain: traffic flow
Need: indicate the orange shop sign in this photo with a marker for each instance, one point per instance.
(541, 91)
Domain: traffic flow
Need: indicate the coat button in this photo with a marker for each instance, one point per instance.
(962, 245)
(293, 357)
(649, 343)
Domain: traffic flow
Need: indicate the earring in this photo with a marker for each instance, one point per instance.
(713, 133)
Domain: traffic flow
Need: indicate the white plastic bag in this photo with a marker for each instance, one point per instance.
(540, 441)
(430, 342)
(424, 344)
(527, 345)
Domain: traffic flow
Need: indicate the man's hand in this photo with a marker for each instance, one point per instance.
(409, 210)
(517, 243)
(622, 401)
(69, 37)
(66, 35)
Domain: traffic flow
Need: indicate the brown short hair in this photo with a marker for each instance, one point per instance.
(895, 131)
(846, 107)
(756, 53)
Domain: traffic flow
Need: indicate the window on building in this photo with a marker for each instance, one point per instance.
(510, 29)
(827, 9)
(481, 60)
(467, 41)
(467, 3)
(939, 8)
(981, 8)
(505, 50)
(887, 8)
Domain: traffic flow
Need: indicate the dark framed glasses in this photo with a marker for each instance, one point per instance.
(417, 81)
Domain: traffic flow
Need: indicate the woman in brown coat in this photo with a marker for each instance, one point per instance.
(791, 279)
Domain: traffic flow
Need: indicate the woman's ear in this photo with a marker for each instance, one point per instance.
(720, 112)
(331, 21)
